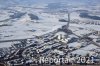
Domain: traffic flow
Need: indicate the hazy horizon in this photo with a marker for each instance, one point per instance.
(30, 2)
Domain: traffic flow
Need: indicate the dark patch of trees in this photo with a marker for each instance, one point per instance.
(33, 17)
(86, 15)
(62, 20)
(17, 15)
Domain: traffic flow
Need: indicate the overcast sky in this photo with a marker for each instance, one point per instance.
(10, 2)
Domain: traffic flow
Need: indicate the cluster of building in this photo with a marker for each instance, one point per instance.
(56, 44)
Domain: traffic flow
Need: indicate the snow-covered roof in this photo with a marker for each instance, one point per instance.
(75, 44)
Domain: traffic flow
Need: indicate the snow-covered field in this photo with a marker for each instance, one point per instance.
(86, 50)
(24, 27)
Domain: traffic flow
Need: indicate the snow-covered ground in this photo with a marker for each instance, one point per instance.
(86, 50)
(24, 27)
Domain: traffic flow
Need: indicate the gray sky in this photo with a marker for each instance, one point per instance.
(25, 2)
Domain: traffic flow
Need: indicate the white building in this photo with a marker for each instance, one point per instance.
(62, 36)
